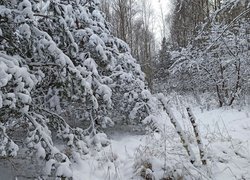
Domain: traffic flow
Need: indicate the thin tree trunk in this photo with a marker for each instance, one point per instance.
(178, 129)
(237, 86)
(197, 136)
(219, 95)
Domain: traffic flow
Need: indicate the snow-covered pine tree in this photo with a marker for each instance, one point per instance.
(64, 75)
(164, 62)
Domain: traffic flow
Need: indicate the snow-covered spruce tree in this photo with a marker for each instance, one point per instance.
(63, 75)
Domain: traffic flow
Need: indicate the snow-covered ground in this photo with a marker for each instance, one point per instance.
(225, 135)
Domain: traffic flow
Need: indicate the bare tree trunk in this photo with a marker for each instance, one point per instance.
(178, 129)
(219, 96)
(197, 136)
(237, 86)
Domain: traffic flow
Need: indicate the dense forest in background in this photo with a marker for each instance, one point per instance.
(206, 51)
(69, 70)
(210, 49)
(133, 21)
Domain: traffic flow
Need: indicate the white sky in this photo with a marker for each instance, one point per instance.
(157, 20)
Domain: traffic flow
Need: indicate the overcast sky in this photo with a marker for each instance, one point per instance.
(166, 9)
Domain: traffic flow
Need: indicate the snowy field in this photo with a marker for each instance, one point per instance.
(225, 135)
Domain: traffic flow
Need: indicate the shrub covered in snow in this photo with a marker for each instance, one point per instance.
(60, 65)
